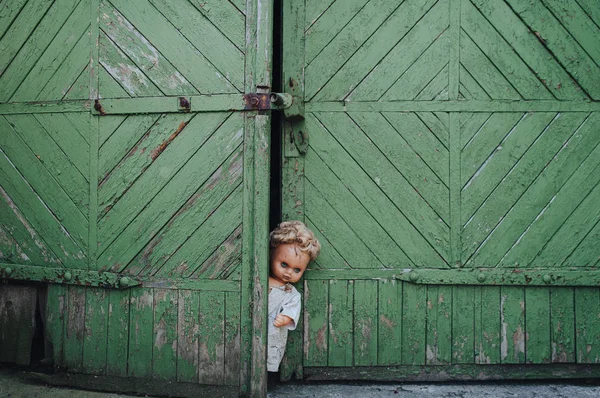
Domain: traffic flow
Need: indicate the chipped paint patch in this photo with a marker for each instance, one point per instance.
(504, 342)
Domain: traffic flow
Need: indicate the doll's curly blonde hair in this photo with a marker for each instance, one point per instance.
(296, 232)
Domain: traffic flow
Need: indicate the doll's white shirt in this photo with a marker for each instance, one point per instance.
(283, 300)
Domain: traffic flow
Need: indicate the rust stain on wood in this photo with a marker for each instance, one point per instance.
(159, 149)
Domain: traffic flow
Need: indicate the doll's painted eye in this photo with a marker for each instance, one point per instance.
(297, 270)
(284, 265)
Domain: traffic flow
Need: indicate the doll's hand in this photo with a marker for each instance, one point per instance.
(282, 320)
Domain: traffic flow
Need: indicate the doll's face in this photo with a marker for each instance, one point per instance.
(288, 263)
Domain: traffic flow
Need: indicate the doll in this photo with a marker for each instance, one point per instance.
(292, 247)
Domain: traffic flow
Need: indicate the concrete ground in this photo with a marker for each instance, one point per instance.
(14, 384)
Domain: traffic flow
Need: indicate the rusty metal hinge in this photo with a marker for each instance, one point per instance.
(267, 101)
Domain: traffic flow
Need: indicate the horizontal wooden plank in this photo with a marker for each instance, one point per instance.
(453, 106)
(14, 108)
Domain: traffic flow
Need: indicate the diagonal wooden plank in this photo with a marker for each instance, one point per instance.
(81, 123)
(470, 88)
(200, 245)
(193, 65)
(314, 10)
(382, 207)
(9, 11)
(498, 164)
(436, 89)
(592, 9)
(337, 230)
(10, 251)
(124, 71)
(587, 253)
(405, 157)
(329, 258)
(555, 213)
(108, 87)
(530, 49)
(29, 242)
(562, 44)
(134, 130)
(360, 46)
(108, 126)
(240, 5)
(354, 214)
(68, 72)
(55, 54)
(77, 150)
(225, 257)
(226, 17)
(165, 167)
(414, 80)
(472, 126)
(331, 21)
(529, 186)
(437, 123)
(39, 216)
(426, 146)
(12, 75)
(501, 54)
(483, 71)
(80, 88)
(49, 174)
(137, 157)
(206, 38)
(487, 141)
(29, 140)
(425, 40)
(154, 236)
(571, 234)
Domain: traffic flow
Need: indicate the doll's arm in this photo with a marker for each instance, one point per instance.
(290, 313)
(282, 320)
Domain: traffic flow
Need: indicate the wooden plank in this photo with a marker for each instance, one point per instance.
(389, 318)
(424, 40)
(438, 123)
(469, 87)
(80, 89)
(164, 349)
(354, 214)
(463, 324)
(487, 325)
(211, 338)
(74, 329)
(587, 253)
(56, 311)
(225, 57)
(187, 336)
(95, 341)
(439, 325)
(437, 89)
(587, 325)
(381, 176)
(195, 209)
(340, 318)
(226, 17)
(161, 170)
(455, 194)
(414, 325)
(512, 316)
(17, 322)
(10, 250)
(538, 329)
(518, 182)
(314, 10)
(529, 48)
(360, 46)
(316, 299)
(562, 328)
(118, 332)
(108, 87)
(9, 320)
(194, 66)
(8, 13)
(365, 322)
(231, 376)
(338, 232)
(139, 360)
(591, 9)
(226, 256)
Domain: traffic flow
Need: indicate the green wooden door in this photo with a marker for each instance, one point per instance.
(131, 160)
(453, 178)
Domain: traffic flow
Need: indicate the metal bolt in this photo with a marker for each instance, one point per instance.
(124, 281)
(547, 278)
(414, 276)
(68, 276)
(7, 271)
(254, 101)
(481, 277)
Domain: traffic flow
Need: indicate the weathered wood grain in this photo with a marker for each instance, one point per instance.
(316, 324)
(389, 320)
(341, 332)
(414, 320)
(141, 340)
(211, 338)
(366, 323)
(439, 325)
(512, 316)
(538, 328)
(164, 347)
(562, 328)
(587, 325)
(187, 336)
(119, 327)
(74, 332)
(95, 339)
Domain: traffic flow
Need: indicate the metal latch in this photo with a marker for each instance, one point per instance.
(267, 101)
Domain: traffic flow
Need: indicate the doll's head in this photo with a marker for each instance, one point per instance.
(293, 246)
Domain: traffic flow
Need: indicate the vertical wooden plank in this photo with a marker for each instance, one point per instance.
(439, 325)
(454, 50)
(512, 316)
(316, 297)
(537, 325)
(365, 322)
(487, 327)
(140, 333)
(389, 330)
(232, 339)
(211, 338)
(414, 303)
(118, 332)
(455, 152)
(341, 308)
(164, 348)
(562, 328)
(463, 322)
(187, 336)
(96, 331)
(56, 309)
(73, 340)
(587, 324)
